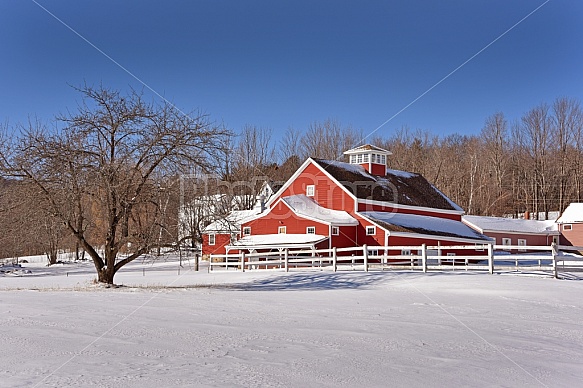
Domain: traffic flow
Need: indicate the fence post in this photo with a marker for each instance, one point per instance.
(490, 258)
(424, 257)
(365, 253)
(334, 259)
(286, 258)
(242, 261)
(555, 255)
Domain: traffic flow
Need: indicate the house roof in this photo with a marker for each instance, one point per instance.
(282, 240)
(398, 187)
(573, 214)
(500, 224)
(231, 222)
(434, 226)
(367, 147)
(306, 207)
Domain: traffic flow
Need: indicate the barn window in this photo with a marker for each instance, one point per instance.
(567, 227)
(371, 230)
(247, 231)
(373, 252)
(365, 158)
(310, 190)
(405, 252)
(479, 247)
(311, 230)
(335, 231)
(506, 242)
(212, 239)
(281, 230)
(521, 243)
(359, 158)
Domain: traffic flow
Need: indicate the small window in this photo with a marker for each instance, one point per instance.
(383, 159)
(359, 158)
(507, 242)
(567, 227)
(371, 230)
(451, 253)
(405, 252)
(479, 247)
(335, 231)
(310, 190)
(365, 158)
(373, 252)
(212, 239)
(522, 243)
(311, 230)
(247, 231)
(353, 159)
(281, 230)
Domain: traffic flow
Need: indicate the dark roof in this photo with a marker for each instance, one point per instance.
(398, 187)
(433, 226)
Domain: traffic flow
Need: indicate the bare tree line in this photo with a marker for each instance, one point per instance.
(109, 182)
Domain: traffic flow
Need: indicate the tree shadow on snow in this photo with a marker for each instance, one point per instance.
(315, 281)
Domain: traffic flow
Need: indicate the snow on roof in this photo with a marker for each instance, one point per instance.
(399, 187)
(282, 239)
(500, 224)
(305, 206)
(412, 223)
(572, 214)
(231, 222)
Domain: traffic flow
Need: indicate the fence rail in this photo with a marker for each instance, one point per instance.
(486, 258)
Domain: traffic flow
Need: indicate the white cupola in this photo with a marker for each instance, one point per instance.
(372, 158)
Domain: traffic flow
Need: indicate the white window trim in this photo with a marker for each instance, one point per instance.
(247, 231)
(281, 230)
(506, 241)
(212, 239)
(373, 252)
(405, 252)
(479, 247)
(374, 230)
(335, 231)
(521, 243)
(310, 190)
(451, 253)
(308, 230)
(568, 227)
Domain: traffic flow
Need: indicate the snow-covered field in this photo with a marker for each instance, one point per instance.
(299, 329)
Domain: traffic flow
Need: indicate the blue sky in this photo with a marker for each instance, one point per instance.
(281, 64)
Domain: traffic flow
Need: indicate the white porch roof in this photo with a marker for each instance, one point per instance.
(282, 240)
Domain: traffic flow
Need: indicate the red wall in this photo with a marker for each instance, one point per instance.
(221, 240)
(407, 241)
(328, 194)
(572, 237)
(531, 239)
(281, 215)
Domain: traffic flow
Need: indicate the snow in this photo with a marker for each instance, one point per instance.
(501, 224)
(267, 328)
(430, 224)
(232, 221)
(572, 214)
(305, 206)
(281, 239)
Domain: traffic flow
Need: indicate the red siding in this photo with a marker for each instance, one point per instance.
(346, 238)
(378, 169)
(572, 237)
(414, 241)
(281, 215)
(531, 239)
(328, 194)
(221, 240)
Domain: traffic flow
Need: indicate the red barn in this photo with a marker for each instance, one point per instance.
(517, 232)
(571, 225)
(335, 204)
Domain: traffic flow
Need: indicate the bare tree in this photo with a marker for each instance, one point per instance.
(100, 172)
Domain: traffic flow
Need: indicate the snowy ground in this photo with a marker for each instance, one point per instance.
(299, 329)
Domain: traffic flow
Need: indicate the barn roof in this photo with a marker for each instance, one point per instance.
(398, 187)
(232, 222)
(573, 214)
(306, 207)
(500, 224)
(434, 226)
(367, 147)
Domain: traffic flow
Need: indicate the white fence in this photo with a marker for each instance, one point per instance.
(487, 258)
